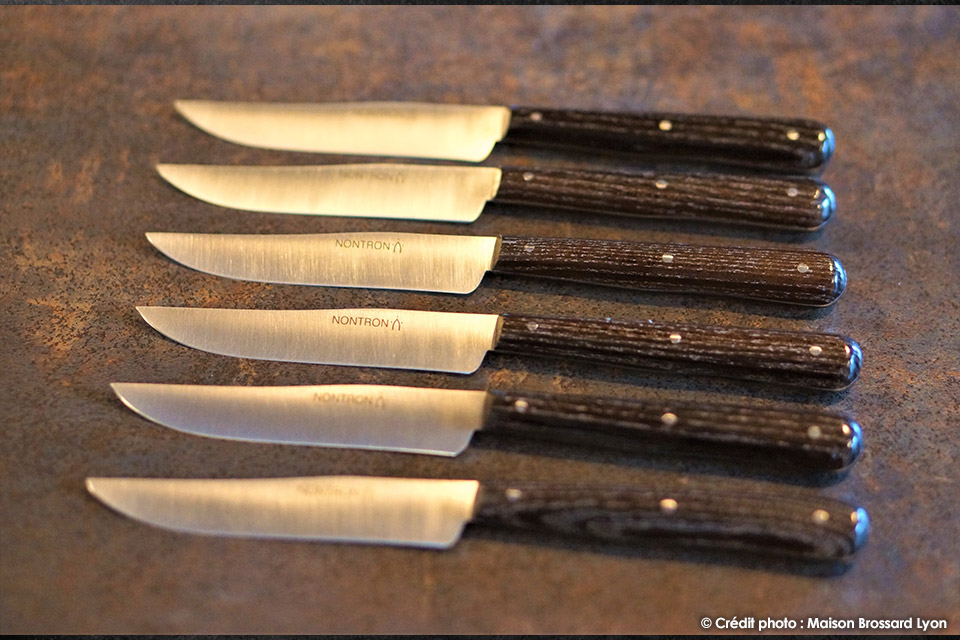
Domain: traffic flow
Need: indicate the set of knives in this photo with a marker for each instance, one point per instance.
(433, 513)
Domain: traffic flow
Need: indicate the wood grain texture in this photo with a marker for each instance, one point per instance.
(796, 204)
(804, 359)
(804, 438)
(765, 519)
(784, 145)
(808, 278)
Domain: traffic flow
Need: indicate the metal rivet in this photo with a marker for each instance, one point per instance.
(669, 419)
(821, 136)
(846, 349)
(846, 429)
(803, 268)
(667, 257)
(536, 116)
(855, 517)
(668, 505)
(528, 248)
(661, 184)
(675, 338)
(521, 406)
(814, 432)
(793, 134)
(527, 176)
(533, 326)
(820, 516)
(513, 494)
(792, 192)
(665, 125)
(816, 350)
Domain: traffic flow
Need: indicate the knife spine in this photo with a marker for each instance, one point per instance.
(808, 439)
(808, 278)
(784, 145)
(812, 360)
(793, 204)
(763, 520)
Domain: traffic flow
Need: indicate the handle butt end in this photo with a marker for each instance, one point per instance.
(861, 528)
(851, 369)
(826, 204)
(827, 145)
(839, 283)
(854, 446)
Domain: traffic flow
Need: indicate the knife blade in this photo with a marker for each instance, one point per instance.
(456, 264)
(459, 194)
(443, 421)
(433, 513)
(469, 132)
(458, 342)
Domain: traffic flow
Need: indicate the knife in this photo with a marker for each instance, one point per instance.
(459, 194)
(469, 132)
(458, 342)
(457, 264)
(433, 513)
(443, 421)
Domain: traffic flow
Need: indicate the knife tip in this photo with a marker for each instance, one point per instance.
(179, 105)
(91, 486)
(145, 312)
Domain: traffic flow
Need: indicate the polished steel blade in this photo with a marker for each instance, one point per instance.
(394, 338)
(415, 192)
(385, 418)
(412, 261)
(412, 129)
(401, 511)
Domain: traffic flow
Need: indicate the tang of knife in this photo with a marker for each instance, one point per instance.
(455, 132)
(409, 419)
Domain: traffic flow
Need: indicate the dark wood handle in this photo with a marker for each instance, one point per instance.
(771, 520)
(795, 204)
(773, 144)
(807, 439)
(797, 277)
(812, 360)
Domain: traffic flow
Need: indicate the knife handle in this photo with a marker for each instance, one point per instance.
(772, 520)
(795, 204)
(805, 359)
(814, 440)
(783, 145)
(797, 277)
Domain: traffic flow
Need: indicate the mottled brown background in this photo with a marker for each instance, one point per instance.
(85, 113)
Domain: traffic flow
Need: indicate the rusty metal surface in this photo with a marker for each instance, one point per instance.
(85, 113)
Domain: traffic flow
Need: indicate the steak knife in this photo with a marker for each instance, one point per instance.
(443, 421)
(433, 513)
(458, 342)
(456, 264)
(469, 132)
(459, 194)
